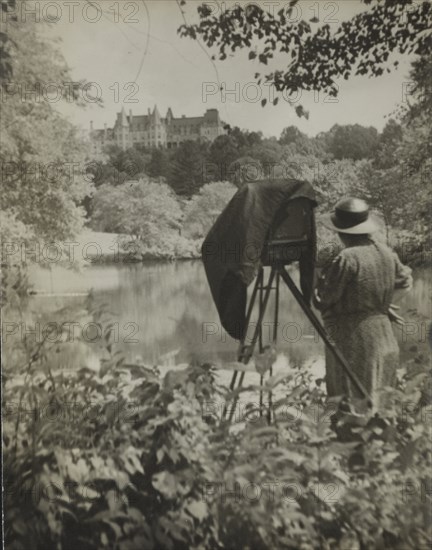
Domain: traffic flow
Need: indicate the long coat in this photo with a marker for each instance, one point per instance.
(354, 294)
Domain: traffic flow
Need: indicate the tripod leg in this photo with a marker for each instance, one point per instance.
(275, 332)
(241, 354)
(256, 333)
(322, 332)
(260, 347)
(261, 398)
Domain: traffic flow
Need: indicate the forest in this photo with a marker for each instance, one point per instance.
(182, 191)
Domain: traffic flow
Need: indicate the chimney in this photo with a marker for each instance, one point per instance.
(105, 129)
(91, 126)
(130, 115)
(148, 112)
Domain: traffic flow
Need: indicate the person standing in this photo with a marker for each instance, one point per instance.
(354, 294)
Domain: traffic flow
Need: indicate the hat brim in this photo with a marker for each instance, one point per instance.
(371, 225)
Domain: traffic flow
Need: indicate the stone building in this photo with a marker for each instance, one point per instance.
(152, 130)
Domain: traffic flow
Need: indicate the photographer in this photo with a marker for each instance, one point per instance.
(354, 294)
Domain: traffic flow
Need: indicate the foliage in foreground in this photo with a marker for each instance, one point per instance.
(312, 55)
(120, 457)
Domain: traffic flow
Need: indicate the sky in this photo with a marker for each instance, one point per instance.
(135, 57)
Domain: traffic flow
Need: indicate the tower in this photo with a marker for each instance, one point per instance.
(158, 128)
(122, 130)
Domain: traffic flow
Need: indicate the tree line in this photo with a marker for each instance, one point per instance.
(237, 156)
(389, 169)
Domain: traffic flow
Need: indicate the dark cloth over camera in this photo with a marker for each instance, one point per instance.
(232, 250)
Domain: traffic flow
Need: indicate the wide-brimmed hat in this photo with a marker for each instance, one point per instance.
(351, 216)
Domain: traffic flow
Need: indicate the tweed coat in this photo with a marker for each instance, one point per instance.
(354, 293)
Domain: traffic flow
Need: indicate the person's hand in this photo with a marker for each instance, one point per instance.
(316, 301)
(393, 316)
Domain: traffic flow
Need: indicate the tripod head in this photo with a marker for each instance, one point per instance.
(291, 235)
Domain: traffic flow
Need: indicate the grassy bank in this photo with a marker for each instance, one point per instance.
(100, 247)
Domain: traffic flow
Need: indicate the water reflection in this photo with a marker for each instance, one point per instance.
(164, 313)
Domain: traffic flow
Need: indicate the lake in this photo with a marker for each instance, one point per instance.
(163, 314)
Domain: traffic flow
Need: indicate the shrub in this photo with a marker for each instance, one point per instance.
(143, 209)
(204, 207)
(119, 457)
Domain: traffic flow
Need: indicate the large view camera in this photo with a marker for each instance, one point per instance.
(291, 234)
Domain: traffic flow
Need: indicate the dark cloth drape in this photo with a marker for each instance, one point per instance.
(232, 250)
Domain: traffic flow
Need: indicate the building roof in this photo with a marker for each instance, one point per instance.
(210, 118)
(100, 134)
(139, 119)
(185, 121)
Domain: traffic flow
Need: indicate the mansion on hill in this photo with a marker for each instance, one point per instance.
(152, 130)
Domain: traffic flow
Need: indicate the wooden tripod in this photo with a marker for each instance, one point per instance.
(245, 352)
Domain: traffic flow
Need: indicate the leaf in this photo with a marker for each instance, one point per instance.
(263, 102)
(113, 500)
(160, 453)
(276, 379)
(131, 461)
(165, 483)
(78, 472)
(389, 458)
(135, 514)
(252, 55)
(289, 455)
(91, 493)
(198, 509)
(104, 515)
(265, 432)
(300, 111)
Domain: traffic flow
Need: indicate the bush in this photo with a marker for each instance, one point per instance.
(141, 208)
(119, 457)
(119, 463)
(204, 208)
(171, 247)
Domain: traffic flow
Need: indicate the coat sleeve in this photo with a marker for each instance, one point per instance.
(403, 275)
(333, 281)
